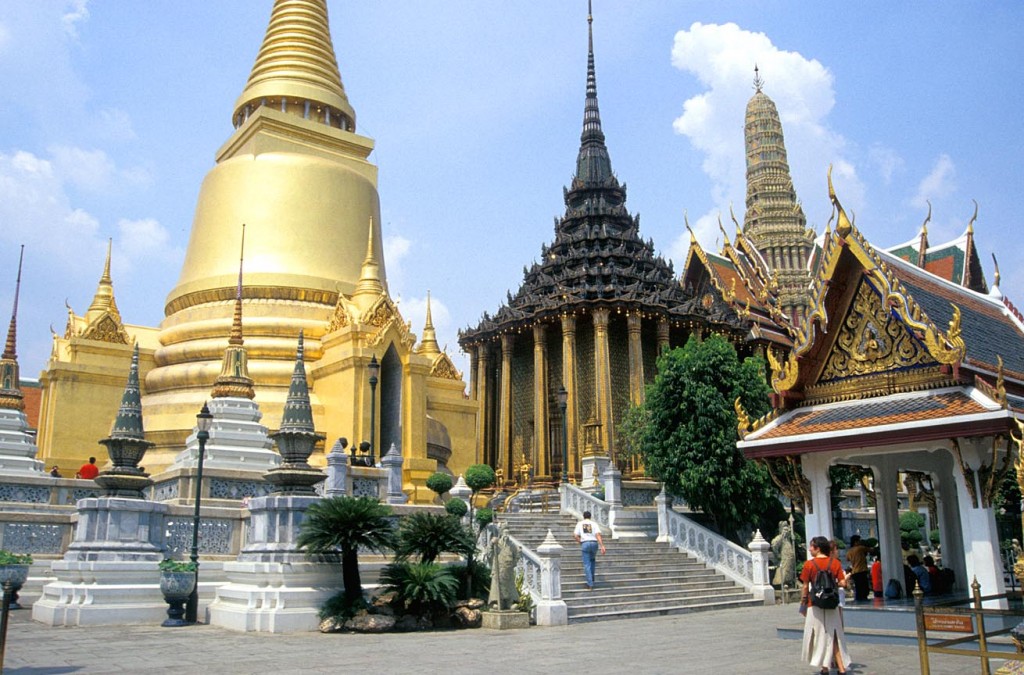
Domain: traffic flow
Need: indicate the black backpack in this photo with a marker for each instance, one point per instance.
(824, 590)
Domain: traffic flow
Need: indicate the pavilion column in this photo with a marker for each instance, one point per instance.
(474, 368)
(636, 359)
(569, 382)
(483, 396)
(603, 379)
(542, 453)
(886, 476)
(663, 343)
(505, 408)
(981, 539)
(950, 533)
(818, 523)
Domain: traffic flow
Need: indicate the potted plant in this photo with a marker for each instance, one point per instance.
(177, 579)
(13, 572)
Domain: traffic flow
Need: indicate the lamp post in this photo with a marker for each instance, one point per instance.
(563, 402)
(204, 420)
(374, 370)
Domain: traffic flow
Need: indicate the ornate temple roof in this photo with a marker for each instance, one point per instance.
(956, 261)
(597, 257)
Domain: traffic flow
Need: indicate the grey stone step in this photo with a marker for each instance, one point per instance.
(660, 611)
(676, 601)
(639, 571)
(580, 590)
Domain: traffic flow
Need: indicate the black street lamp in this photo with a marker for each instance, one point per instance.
(563, 402)
(204, 420)
(374, 369)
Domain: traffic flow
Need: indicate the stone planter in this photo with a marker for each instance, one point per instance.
(176, 587)
(16, 576)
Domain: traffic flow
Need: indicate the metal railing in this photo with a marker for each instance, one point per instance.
(968, 617)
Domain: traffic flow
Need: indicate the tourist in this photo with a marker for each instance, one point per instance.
(89, 470)
(876, 574)
(857, 556)
(588, 535)
(55, 471)
(934, 576)
(834, 555)
(824, 639)
(920, 574)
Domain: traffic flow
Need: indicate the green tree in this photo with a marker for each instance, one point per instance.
(685, 431)
(440, 483)
(911, 523)
(344, 525)
(428, 535)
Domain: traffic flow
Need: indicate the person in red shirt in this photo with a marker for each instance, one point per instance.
(89, 470)
(876, 574)
(824, 639)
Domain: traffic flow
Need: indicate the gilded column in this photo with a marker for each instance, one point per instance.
(662, 335)
(603, 379)
(541, 449)
(636, 359)
(474, 365)
(569, 382)
(505, 409)
(483, 396)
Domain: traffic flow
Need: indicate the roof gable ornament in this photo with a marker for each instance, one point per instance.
(103, 319)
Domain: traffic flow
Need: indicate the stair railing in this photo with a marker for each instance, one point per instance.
(541, 572)
(748, 568)
(575, 501)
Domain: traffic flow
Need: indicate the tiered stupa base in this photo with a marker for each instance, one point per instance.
(238, 442)
(17, 447)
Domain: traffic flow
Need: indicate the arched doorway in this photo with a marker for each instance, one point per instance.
(390, 401)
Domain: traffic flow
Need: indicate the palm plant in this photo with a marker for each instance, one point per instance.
(423, 588)
(428, 535)
(345, 525)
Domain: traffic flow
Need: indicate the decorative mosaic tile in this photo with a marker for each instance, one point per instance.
(34, 537)
(31, 494)
(215, 535)
(221, 488)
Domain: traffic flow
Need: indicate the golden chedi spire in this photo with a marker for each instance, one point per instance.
(234, 380)
(10, 377)
(296, 67)
(297, 175)
(103, 319)
(428, 345)
(370, 286)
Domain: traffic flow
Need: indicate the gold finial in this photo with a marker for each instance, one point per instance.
(970, 225)
(106, 265)
(758, 82)
(996, 263)
(724, 233)
(236, 322)
(734, 221)
(742, 419)
(234, 380)
(102, 319)
(428, 345)
(369, 284)
(686, 221)
(928, 218)
(843, 225)
(1000, 383)
(922, 245)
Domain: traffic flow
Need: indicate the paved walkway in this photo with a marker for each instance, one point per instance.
(723, 641)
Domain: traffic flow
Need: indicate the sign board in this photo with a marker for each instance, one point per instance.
(949, 623)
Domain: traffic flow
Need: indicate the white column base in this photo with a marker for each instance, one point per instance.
(552, 613)
(96, 593)
(592, 467)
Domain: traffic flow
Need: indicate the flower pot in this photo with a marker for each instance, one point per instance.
(176, 587)
(15, 575)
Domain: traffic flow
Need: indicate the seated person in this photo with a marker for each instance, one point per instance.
(920, 574)
(934, 576)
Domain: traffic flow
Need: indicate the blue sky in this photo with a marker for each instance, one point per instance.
(110, 114)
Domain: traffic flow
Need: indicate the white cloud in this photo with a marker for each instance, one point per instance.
(885, 160)
(116, 124)
(940, 182)
(722, 57)
(90, 170)
(76, 11)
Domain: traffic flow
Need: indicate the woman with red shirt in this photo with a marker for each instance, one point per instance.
(824, 640)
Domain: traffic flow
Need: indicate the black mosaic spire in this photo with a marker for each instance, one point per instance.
(593, 165)
(298, 413)
(128, 423)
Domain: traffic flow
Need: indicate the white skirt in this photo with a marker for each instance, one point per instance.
(821, 627)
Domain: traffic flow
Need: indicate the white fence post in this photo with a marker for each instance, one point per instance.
(551, 609)
(393, 463)
(337, 471)
(759, 552)
(663, 501)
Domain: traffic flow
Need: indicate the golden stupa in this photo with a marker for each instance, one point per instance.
(296, 174)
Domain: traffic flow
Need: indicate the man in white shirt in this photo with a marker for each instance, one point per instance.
(588, 535)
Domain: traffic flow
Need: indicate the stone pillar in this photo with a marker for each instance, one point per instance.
(759, 554)
(663, 342)
(636, 358)
(569, 382)
(474, 369)
(819, 522)
(392, 463)
(611, 477)
(981, 538)
(505, 408)
(603, 381)
(950, 532)
(337, 470)
(483, 396)
(541, 447)
(551, 609)
(664, 503)
(888, 516)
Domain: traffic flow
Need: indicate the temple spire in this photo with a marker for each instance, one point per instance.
(429, 345)
(103, 301)
(593, 165)
(922, 245)
(369, 286)
(296, 70)
(758, 82)
(10, 376)
(234, 380)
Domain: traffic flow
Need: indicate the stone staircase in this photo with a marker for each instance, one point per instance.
(635, 578)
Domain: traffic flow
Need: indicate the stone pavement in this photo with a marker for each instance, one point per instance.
(722, 641)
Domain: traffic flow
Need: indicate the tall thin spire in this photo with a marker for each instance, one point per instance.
(10, 377)
(103, 300)
(370, 285)
(593, 165)
(234, 380)
(429, 345)
(758, 82)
